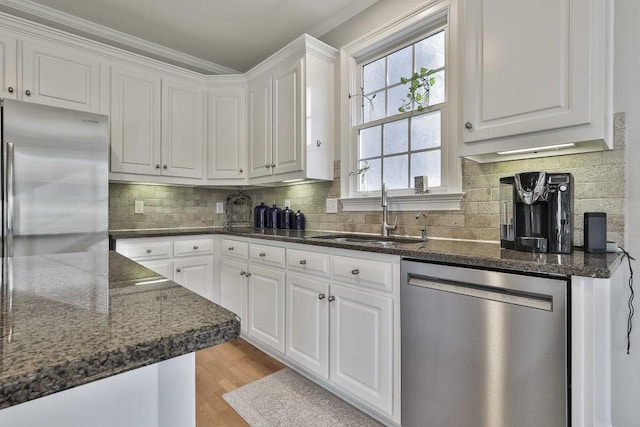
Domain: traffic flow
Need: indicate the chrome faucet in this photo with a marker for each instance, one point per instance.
(423, 232)
(386, 227)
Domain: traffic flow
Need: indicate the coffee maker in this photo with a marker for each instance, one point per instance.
(536, 212)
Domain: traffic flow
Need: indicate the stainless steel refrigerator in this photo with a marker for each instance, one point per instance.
(54, 180)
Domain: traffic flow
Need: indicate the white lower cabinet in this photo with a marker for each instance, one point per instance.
(195, 274)
(233, 288)
(163, 267)
(266, 305)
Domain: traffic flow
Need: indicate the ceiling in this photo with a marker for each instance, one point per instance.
(215, 36)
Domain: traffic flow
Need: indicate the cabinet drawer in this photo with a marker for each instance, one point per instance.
(308, 262)
(234, 248)
(365, 272)
(145, 250)
(268, 255)
(193, 247)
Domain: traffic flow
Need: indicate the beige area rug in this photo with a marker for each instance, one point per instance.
(286, 398)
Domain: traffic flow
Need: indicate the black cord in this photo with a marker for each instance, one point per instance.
(631, 297)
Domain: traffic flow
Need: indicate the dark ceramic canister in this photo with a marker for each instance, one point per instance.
(285, 221)
(298, 221)
(272, 217)
(260, 215)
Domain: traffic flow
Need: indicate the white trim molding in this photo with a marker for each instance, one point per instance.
(431, 202)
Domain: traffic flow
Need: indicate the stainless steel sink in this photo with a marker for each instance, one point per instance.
(367, 240)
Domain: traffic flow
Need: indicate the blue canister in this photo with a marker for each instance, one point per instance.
(285, 221)
(272, 217)
(260, 215)
(298, 221)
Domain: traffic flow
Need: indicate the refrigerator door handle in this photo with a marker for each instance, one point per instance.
(7, 234)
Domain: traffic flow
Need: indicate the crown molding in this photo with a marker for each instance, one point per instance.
(340, 18)
(60, 20)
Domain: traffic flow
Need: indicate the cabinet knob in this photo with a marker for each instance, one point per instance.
(355, 271)
(262, 255)
(195, 247)
(248, 274)
(27, 92)
(243, 273)
(303, 261)
(468, 125)
(332, 298)
(157, 166)
(241, 170)
(267, 166)
(321, 296)
(165, 167)
(273, 165)
(178, 269)
(148, 251)
(230, 248)
(10, 89)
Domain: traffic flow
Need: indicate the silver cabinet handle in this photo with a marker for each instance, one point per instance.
(273, 165)
(248, 274)
(262, 255)
(321, 296)
(332, 298)
(165, 167)
(243, 273)
(303, 262)
(230, 248)
(267, 166)
(468, 125)
(10, 89)
(355, 271)
(157, 166)
(195, 247)
(27, 92)
(148, 251)
(178, 269)
(241, 170)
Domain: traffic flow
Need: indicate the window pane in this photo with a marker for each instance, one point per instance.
(400, 65)
(436, 93)
(370, 181)
(396, 98)
(430, 52)
(426, 163)
(370, 142)
(396, 137)
(396, 171)
(425, 131)
(373, 76)
(374, 108)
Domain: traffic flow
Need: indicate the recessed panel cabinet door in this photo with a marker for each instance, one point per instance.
(287, 120)
(233, 289)
(135, 121)
(227, 135)
(195, 274)
(527, 67)
(8, 67)
(61, 77)
(182, 129)
(266, 306)
(260, 159)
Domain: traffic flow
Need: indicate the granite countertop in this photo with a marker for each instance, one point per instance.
(456, 252)
(69, 319)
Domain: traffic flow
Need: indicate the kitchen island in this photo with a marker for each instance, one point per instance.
(96, 339)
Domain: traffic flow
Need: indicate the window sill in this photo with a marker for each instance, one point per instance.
(414, 202)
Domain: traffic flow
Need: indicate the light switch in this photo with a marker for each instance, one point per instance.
(219, 207)
(287, 203)
(332, 205)
(138, 206)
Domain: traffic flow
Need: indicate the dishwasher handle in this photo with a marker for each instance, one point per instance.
(537, 301)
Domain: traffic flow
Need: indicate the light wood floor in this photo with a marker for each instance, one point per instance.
(223, 368)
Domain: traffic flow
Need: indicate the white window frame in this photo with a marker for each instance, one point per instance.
(406, 27)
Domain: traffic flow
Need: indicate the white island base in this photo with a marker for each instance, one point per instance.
(158, 395)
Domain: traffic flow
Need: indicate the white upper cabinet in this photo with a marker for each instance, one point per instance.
(535, 76)
(291, 113)
(227, 132)
(8, 67)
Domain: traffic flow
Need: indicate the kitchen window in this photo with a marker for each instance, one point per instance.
(390, 139)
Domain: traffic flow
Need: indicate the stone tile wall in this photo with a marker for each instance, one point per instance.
(600, 180)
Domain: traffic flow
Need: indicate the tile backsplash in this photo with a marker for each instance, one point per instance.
(600, 180)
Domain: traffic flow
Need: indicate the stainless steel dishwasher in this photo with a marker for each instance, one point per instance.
(483, 348)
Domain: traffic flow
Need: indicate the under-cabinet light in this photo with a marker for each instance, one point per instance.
(293, 180)
(534, 149)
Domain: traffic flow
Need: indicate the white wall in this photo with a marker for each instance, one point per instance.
(626, 368)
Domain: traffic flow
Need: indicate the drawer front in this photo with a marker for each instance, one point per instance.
(267, 255)
(308, 262)
(192, 247)
(363, 272)
(145, 250)
(234, 249)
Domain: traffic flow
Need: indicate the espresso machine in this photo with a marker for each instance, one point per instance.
(536, 212)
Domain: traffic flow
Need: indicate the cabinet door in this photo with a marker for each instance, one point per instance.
(135, 121)
(182, 129)
(266, 306)
(307, 322)
(260, 158)
(521, 77)
(233, 289)
(287, 119)
(226, 132)
(163, 267)
(361, 343)
(195, 274)
(8, 67)
(62, 77)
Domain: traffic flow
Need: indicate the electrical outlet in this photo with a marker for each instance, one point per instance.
(219, 207)
(138, 206)
(332, 205)
(287, 203)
